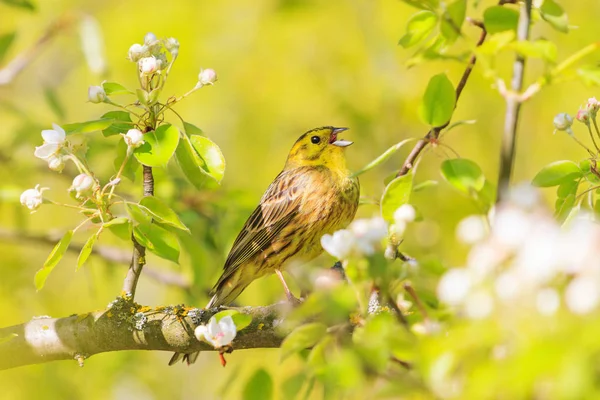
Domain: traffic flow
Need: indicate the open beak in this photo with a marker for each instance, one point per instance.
(333, 139)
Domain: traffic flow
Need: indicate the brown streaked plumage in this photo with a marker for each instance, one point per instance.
(315, 194)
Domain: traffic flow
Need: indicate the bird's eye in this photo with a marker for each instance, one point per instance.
(315, 139)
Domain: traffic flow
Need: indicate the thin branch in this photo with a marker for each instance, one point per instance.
(513, 107)
(108, 253)
(127, 326)
(434, 133)
(138, 258)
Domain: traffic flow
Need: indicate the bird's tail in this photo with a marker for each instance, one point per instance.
(224, 293)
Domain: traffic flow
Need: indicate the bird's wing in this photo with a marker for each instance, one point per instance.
(277, 207)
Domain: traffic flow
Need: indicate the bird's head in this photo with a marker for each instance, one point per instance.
(319, 146)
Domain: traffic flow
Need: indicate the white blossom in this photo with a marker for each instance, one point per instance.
(82, 183)
(207, 77)
(479, 304)
(172, 46)
(137, 51)
(149, 38)
(96, 94)
(134, 138)
(405, 213)
(368, 234)
(454, 286)
(340, 244)
(563, 122)
(54, 140)
(547, 301)
(471, 229)
(218, 334)
(32, 198)
(148, 65)
(56, 163)
(582, 295)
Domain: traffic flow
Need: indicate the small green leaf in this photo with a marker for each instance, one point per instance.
(158, 240)
(25, 4)
(131, 166)
(53, 258)
(543, 49)
(159, 146)
(567, 188)
(424, 185)
(496, 43)
(419, 26)
(88, 126)
(465, 175)
(6, 41)
(423, 4)
(240, 320)
(162, 213)
(86, 250)
(499, 19)
(122, 229)
(192, 129)
(137, 213)
(590, 75)
(193, 166)
(301, 338)
(453, 19)
(121, 124)
(142, 96)
(54, 102)
(259, 386)
(564, 207)
(211, 154)
(292, 385)
(114, 89)
(554, 14)
(556, 173)
(116, 221)
(396, 193)
(438, 102)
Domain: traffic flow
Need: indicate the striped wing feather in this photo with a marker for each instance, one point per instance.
(277, 208)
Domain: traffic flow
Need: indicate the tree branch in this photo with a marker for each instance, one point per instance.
(513, 107)
(434, 133)
(127, 326)
(138, 258)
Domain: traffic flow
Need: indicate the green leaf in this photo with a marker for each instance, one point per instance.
(212, 156)
(453, 19)
(424, 185)
(158, 240)
(465, 175)
(121, 228)
(496, 43)
(117, 126)
(499, 19)
(419, 26)
(114, 89)
(159, 146)
(567, 188)
(240, 320)
(54, 102)
(137, 213)
(193, 165)
(259, 386)
(25, 4)
(438, 102)
(396, 193)
(8, 337)
(564, 206)
(86, 250)
(88, 126)
(53, 258)
(192, 129)
(554, 14)
(6, 41)
(543, 49)
(162, 213)
(301, 338)
(292, 385)
(556, 173)
(590, 75)
(131, 166)
(423, 4)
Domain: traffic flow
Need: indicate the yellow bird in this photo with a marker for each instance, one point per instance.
(315, 194)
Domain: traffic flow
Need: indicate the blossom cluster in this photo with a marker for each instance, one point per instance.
(526, 259)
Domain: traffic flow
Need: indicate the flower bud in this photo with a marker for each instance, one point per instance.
(593, 106)
(96, 94)
(207, 77)
(82, 183)
(405, 213)
(563, 121)
(136, 52)
(172, 46)
(583, 116)
(32, 198)
(56, 163)
(134, 138)
(148, 65)
(149, 38)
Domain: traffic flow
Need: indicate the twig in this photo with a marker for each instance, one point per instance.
(138, 258)
(108, 253)
(411, 291)
(22, 60)
(434, 133)
(127, 326)
(513, 107)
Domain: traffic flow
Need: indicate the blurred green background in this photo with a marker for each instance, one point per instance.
(284, 66)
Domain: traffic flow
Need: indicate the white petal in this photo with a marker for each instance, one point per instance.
(228, 326)
(213, 327)
(60, 130)
(201, 332)
(46, 150)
